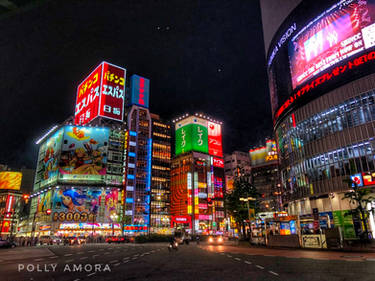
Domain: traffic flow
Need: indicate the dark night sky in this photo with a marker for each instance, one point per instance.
(205, 56)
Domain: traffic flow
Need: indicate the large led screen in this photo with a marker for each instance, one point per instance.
(84, 152)
(10, 180)
(342, 31)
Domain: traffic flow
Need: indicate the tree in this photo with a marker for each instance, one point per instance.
(238, 209)
(360, 197)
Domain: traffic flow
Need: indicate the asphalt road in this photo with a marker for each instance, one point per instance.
(155, 262)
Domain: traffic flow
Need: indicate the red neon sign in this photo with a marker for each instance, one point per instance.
(102, 93)
(141, 100)
(337, 71)
(218, 162)
(215, 147)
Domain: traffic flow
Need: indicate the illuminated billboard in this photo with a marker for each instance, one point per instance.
(264, 155)
(215, 146)
(191, 135)
(319, 47)
(102, 93)
(85, 204)
(84, 152)
(345, 30)
(49, 152)
(140, 90)
(10, 180)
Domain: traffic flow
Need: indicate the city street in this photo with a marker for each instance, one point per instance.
(190, 262)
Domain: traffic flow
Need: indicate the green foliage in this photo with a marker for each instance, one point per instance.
(360, 197)
(241, 189)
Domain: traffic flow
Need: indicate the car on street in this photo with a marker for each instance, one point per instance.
(117, 239)
(215, 240)
(7, 244)
(74, 240)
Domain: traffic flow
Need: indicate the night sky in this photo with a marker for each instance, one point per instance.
(199, 56)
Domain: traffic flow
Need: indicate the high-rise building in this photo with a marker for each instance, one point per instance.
(160, 219)
(237, 164)
(15, 188)
(265, 175)
(321, 70)
(197, 175)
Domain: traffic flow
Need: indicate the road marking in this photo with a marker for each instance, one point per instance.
(38, 259)
(91, 251)
(259, 266)
(125, 261)
(91, 274)
(80, 253)
(229, 256)
(83, 258)
(113, 261)
(76, 279)
(222, 254)
(107, 253)
(68, 255)
(136, 255)
(237, 259)
(248, 262)
(69, 261)
(274, 273)
(370, 259)
(95, 256)
(134, 258)
(126, 258)
(54, 257)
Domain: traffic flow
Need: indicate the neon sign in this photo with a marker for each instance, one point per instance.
(337, 71)
(102, 93)
(140, 90)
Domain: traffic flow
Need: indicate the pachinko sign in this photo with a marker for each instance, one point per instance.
(102, 93)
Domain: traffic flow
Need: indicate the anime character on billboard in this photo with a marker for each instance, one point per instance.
(73, 200)
(95, 198)
(84, 151)
(111, 199)
(50, 156)
(44, 201)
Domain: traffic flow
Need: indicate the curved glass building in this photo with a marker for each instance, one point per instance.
(321, 69)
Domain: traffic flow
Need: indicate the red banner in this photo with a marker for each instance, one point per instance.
(215, 147)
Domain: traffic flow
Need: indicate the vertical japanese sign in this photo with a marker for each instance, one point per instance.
(88, 95)
(215, 147)
(112, 95)
(191, 134)
(140, 90)
(102, 93)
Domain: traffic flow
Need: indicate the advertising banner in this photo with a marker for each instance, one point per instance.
(85, 204)
(344, 30)
(10, 180)
(191, 135)
(346, 222)
(215, 147)
(88, 95)
(84, 152)
(102, 93)
(112, 94)
(140, 90)
(50, 153)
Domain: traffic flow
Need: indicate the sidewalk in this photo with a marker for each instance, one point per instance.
(318, 254)
(20, 253)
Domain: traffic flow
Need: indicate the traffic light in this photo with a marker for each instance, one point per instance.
(48, 211)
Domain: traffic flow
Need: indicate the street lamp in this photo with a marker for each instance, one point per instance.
(113, 218)
(247, 199)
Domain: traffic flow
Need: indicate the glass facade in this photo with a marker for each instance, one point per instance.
(320, 146)
(160, 181)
